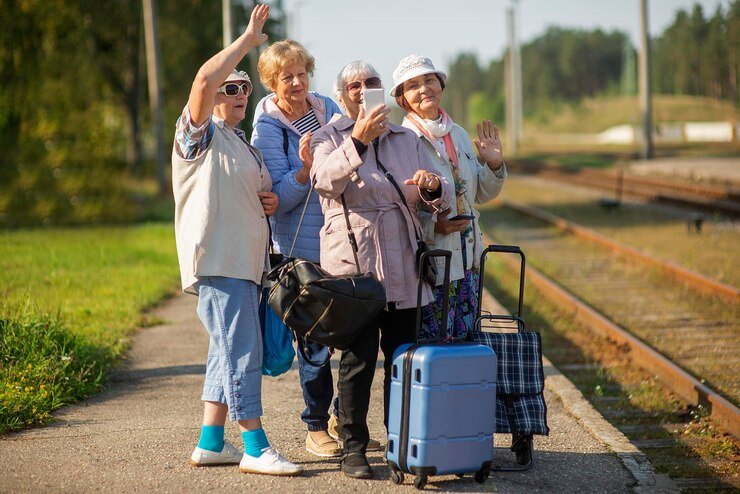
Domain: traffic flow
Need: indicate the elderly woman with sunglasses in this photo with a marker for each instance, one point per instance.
(418, 87)
(350, 155)
(282, 120)
(222, 196)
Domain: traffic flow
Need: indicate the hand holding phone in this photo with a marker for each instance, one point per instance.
(461, 217)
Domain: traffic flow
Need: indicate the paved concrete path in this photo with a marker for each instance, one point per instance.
(137, 436)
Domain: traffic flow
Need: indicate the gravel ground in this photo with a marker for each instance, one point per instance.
(138, 435)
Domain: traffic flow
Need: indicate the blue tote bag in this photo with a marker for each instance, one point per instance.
(277, 341)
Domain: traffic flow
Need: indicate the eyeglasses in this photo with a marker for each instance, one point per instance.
(232, 89)
(369, 83)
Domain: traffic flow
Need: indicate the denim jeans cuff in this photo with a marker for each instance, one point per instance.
(316, 427)
(212, 393)
(245, 413)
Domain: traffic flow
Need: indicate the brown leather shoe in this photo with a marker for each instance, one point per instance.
(333, 431)
(324, 446)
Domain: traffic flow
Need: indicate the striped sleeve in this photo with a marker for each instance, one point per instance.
(192, 141)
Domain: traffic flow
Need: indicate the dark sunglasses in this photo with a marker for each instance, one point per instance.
(232, 89)
(369, 83)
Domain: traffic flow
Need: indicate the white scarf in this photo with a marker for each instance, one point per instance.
(435, 128)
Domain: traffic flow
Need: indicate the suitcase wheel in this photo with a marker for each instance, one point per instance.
(420, 481)
(482, 475)
(397, 476)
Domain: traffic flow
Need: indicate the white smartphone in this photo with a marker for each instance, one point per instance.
(372, 98)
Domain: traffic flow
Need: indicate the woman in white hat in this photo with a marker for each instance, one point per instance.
(418, 87)
(222, 197)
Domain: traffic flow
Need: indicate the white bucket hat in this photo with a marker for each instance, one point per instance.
(413, 66)
(239, 75)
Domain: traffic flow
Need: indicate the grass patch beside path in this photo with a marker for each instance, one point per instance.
(70, 299)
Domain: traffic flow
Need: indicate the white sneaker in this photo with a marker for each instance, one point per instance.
(270, 462)
(203, 457)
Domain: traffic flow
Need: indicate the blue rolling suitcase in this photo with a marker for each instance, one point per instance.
(442, 401)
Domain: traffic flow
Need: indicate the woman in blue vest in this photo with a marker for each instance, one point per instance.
(282, 120)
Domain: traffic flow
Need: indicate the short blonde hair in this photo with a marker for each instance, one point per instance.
(278, 56)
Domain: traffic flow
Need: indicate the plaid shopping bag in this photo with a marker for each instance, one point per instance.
(520, 403)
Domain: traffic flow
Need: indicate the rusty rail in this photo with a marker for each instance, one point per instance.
(698, 281)
(722, 412)
(697, 196)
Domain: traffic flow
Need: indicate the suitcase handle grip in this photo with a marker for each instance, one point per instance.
(423, 259)
(513, 249)
(508, 249)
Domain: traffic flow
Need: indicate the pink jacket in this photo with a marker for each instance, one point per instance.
(383, 227)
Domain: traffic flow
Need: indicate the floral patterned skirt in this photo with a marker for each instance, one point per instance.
(463, 308)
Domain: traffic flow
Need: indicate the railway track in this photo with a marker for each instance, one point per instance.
(712, 198)
(701, 338)
(699, 281)
(698, 332)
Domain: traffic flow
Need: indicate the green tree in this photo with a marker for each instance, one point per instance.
(464, 79)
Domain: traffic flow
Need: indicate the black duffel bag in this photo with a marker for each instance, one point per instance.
(326, 309)
(320, 307)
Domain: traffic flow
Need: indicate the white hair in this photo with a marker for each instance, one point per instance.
(352, 71)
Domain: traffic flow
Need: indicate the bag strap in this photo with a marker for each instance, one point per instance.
(271, 247)
(393, 182)
(350, 233)
(300, 220)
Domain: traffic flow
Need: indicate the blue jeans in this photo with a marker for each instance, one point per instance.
(227, 307)
(318, 387)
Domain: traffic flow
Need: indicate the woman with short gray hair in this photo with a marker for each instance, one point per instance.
(381, 173)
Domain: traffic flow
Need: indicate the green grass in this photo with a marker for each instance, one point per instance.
(593, 115)
(71, 299)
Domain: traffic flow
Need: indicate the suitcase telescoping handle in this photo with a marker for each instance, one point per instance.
(424, 258)
(509, 249)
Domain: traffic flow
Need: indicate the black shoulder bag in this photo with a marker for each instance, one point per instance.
(326, 309)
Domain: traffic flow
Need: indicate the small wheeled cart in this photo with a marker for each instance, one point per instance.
(520, 402)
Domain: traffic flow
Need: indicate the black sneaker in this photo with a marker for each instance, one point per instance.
(355, 465)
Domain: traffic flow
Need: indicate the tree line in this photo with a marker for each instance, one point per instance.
(74, 120)
(74, 125)
(696, 55)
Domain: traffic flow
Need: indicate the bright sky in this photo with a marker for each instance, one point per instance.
(382, 32)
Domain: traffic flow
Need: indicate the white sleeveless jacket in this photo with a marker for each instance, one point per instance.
(220, 226)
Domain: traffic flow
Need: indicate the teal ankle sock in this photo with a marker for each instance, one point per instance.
(254, 442)
(211, 438)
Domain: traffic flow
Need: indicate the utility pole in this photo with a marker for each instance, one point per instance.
(646, 148)
(228, 24)
(513, 71)
(518, 79)
(151, 35)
